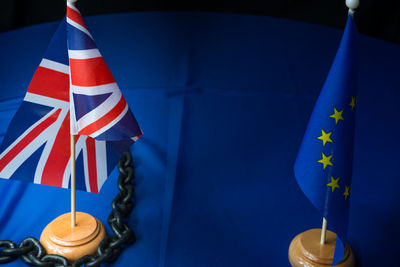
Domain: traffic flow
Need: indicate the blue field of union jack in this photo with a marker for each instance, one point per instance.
(72, 91)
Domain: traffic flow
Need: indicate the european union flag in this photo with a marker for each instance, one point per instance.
(323, 167)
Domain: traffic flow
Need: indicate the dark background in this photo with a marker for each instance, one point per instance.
(379, 19)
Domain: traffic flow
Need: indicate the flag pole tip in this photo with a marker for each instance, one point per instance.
(71, 1)
(352, 4)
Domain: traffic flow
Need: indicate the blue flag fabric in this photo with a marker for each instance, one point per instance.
(323, 167)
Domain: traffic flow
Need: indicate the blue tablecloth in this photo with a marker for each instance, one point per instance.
(223, 101)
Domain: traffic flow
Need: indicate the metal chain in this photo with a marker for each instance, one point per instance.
(32, 252)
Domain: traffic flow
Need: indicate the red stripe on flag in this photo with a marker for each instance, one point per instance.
(4, 161)
(75, 16)
(50, 83)
(106, 119)
(59, 156)
(90, 72)
(92, 164)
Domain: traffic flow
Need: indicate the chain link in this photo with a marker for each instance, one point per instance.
(32, 252)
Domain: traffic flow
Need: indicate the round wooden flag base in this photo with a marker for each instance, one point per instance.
(306, 250)
(60, 238)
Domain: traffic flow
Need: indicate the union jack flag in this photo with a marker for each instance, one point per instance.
(71, 92)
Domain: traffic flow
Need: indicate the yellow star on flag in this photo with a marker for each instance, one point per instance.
(337, 115)
(334, 183)
(325, 137)
(346, 192)
(352, 103)
(326, 160)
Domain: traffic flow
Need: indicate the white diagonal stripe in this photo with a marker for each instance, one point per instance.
(27, 131)
(84, 54)
(71, 5)
(44, 137)
(112, 123)
(95, 90)
(100, 111)
(86, 167)
(73, 128)
(51, 138)
(46, 101)
(78, 26)
(53, 65)
(135, 138)
(101, 163)
(67, 175)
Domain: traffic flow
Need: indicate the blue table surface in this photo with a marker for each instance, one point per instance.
(223, 100)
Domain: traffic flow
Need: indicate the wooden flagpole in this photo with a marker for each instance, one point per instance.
(323, 231)
(73, 197)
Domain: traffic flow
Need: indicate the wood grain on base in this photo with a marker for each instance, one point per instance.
(59, 238)
(305, 250)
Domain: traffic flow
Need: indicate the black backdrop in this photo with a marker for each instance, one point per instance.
(377, 18)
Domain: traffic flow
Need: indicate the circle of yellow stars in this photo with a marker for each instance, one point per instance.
(326, 138)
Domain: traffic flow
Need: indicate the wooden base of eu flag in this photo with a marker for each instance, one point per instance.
(306, 250)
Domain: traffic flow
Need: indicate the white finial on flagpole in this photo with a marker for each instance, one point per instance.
(71, 1)
(352, 5)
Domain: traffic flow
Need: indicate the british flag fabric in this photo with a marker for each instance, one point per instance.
(71, 92)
